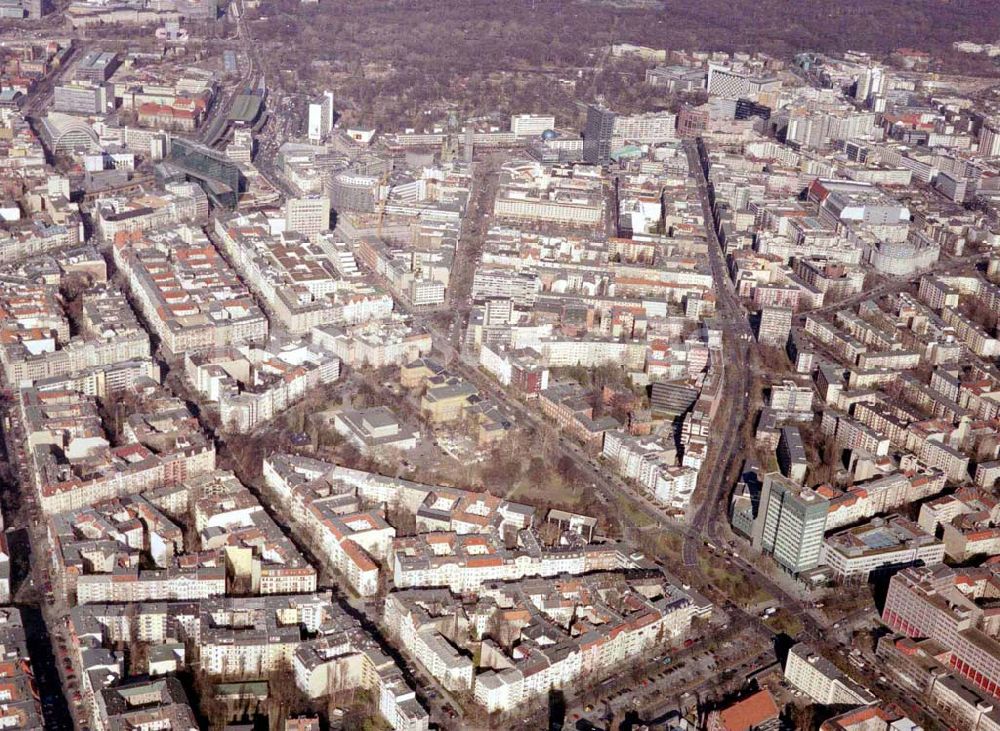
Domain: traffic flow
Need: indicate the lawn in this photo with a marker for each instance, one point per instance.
(731, 581)
(556, 492)
(782, 621)
(632, 513)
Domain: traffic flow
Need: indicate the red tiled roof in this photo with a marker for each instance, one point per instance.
(749, 712)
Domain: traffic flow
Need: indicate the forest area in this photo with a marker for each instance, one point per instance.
(408, 63)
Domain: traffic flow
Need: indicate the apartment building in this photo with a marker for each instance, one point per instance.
(987, 474)
(969, 521)
(653, 465)
(72, 463)
(523, 368)
(851, 434)
(36, 343)
(5, 573)
(300, 480)
(975, 338)
(299, 280)
(186, 291)
(540, 666)
(307, 636)
(881, 494)
(937, 294)
(820, 679)
(324, 501)
(99, 548)
(133, 585)
(251, 385)
(259, 557)
(376, 344)
(61, 229)
(428, 634)
(252, 637)
(915, 665)
(102, 381)
(418, 276)
(352, 654)
(847, 347)
(463, 563)
(178, 203)
(21, 707)
(832, 278)
(532, 193)
(590, 352)
(352, 543)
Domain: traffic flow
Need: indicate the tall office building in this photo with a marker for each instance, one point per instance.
(96, 67)
(730, 83)
(241, 147)
(773, 325)
(498, 311)
(934, 602)
(597, 135)
(353, 191)
(790, 523)
(77, 98)
(989, 139)
(198, 9)
(220, 177)
(320, 117)
(531, 125)
(646, 128)
(308, 215)
(872, 82)
(469, 145)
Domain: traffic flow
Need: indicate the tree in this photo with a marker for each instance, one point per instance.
(566, 467)
(549, 533)
(72, 288)
(502, 632)
(402, 520)
(284, 698)
(620, 407)
(803, 718)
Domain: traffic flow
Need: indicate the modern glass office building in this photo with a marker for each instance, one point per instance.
(218, 176)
